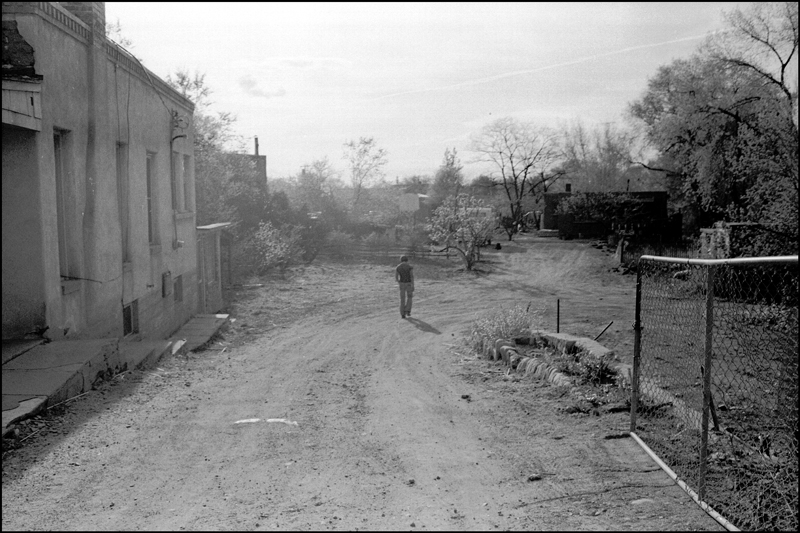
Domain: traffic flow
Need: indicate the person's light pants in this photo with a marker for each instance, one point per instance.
(406, 295)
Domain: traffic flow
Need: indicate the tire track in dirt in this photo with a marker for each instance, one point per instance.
(378, 402)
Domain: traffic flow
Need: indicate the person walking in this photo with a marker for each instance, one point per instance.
(404, 275)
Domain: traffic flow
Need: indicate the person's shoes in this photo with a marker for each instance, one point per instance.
(408, 313)
(402, 316)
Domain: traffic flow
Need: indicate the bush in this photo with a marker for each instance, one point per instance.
(276, 247)
(379, 240)
(415, 240)
(587, 367)
(501, 323)
(339, 243)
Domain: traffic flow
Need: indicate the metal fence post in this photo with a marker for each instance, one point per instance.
(558, 315)
(707, 380)
(637, 348)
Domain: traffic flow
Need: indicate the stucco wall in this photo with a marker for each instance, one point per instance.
(100, 97)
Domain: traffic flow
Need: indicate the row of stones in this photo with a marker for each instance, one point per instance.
(506, 351)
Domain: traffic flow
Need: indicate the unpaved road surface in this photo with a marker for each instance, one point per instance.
(351, 418)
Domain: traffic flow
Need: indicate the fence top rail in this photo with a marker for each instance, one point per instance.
(712, 262)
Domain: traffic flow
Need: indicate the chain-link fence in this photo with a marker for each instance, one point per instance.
(715, 381)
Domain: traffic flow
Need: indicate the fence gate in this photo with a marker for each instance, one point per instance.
(715, 383)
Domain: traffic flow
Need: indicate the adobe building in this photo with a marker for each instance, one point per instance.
(99, 236)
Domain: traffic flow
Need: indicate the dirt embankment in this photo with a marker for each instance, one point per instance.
(320, 408)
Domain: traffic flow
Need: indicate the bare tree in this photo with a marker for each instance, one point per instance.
(762, 39)
(522, 155)
(366, 161)
(599, 159)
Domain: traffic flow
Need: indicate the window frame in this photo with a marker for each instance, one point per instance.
(152, 199)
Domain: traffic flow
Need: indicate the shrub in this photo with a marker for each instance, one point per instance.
(504, 323)
(602, 206)
(276, 247)
(379, 240)
(339, 243)
(587, 367)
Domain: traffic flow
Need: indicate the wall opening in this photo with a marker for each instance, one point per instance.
(178, 288)
(130, 318)
(65, 211)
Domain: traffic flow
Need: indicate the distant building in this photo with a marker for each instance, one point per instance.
(99, 229)
(261, 163)
(652, 223)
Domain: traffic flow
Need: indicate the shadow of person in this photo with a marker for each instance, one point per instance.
(423, 326)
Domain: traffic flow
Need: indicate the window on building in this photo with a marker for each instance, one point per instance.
(122, 199)
(178, 288)
(130, 318)
(177, 182)
(64, 206)
(187, 184)
(152, 228)
(215, 260)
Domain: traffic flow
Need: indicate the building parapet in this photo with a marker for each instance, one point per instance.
(60, 17)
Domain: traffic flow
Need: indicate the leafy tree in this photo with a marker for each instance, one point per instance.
(694, 110)
(115, 33)
(763, 41)
(484, 187)
(269, 232)
(458, 224)
(723, 123)
(245, 195)
(366, 162)
(522, 155)
(448, 179)
(315, 188)
(416, 184)
(227, 183)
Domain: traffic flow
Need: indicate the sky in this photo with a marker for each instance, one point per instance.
(420, 78)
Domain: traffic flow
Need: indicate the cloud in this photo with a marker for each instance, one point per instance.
(250, 87)
(469, 83)
(295, 63)
(313, 62)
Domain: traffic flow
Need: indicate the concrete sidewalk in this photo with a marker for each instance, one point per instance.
(37, 375)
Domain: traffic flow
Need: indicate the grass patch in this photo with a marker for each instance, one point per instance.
(504, 323)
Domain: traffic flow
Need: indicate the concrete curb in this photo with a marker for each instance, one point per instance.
(107, 358)
(505, 350)
(40, 376)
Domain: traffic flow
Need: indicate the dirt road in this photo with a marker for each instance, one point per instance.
(321, 408)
